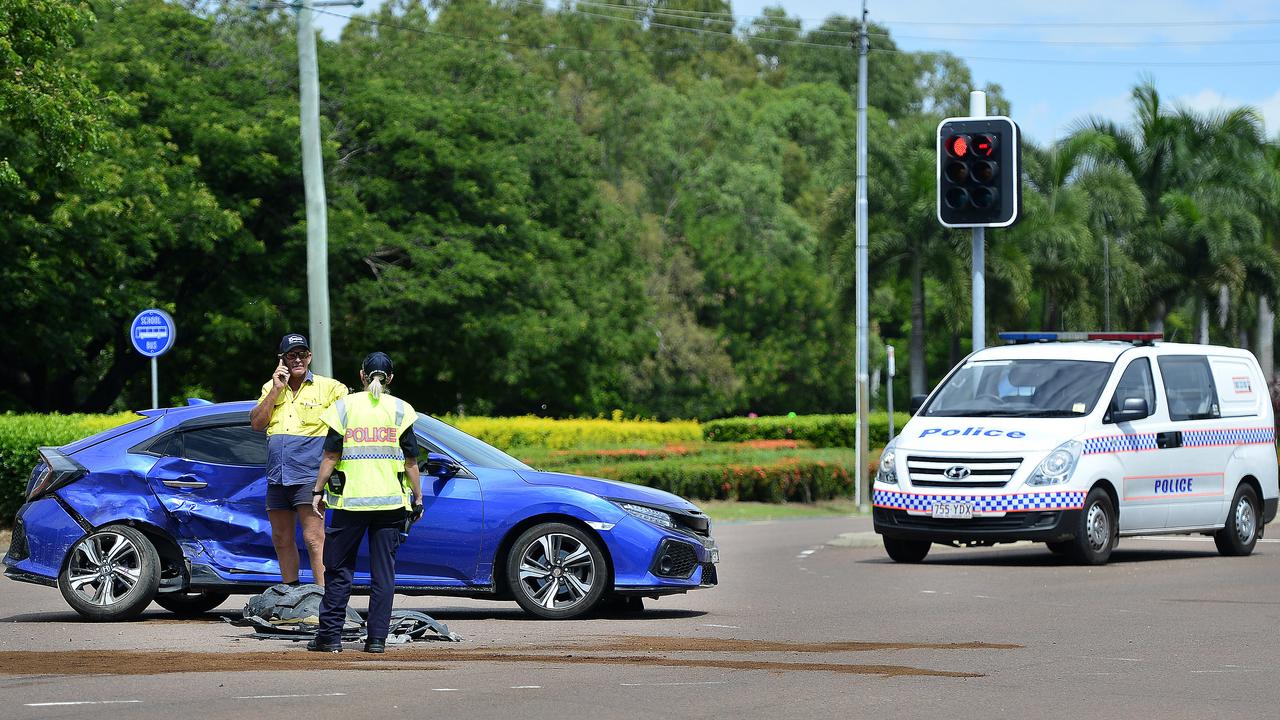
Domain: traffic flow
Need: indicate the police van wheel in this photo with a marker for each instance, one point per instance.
(906, 551)
(1059, 548)
(557, 571)
(190, 604)
(1097, 530)
(1241, 531)
(111, 574)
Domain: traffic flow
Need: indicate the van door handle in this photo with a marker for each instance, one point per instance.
(186, 481)
(1168, 440)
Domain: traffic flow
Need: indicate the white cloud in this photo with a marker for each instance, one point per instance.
(1209, 100)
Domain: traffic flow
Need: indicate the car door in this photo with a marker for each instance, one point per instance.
(443, 548)
(1191, 482)
(1136, 445)
(211, 478)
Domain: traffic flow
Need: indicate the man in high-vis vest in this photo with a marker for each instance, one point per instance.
(289, 411)
(372, 446)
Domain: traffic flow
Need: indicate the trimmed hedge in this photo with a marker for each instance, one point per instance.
(22, 435)
(529, 431)
(820, 430)
(799, 476)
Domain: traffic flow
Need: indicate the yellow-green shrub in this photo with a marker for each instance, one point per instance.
(529, 431)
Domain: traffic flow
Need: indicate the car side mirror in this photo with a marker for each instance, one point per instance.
(917, 402)
(441, 466)
(1131, 409)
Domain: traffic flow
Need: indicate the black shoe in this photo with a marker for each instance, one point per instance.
(375, 646)
(318, 645)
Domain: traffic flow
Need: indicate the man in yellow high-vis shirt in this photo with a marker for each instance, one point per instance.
(289, 410)
(370, 442)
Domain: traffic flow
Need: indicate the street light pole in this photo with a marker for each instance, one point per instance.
(313, 179)
(864, 396)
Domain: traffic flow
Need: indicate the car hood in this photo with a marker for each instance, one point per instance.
(608, 489)
(965, 436)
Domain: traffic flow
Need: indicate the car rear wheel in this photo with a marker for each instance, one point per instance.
(906, 551)
(189, 604)
(1241, 531)
(1097, 530)
(111, 574)
(1059, 548)
(557, 571)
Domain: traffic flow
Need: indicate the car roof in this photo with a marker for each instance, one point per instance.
(1095, 350)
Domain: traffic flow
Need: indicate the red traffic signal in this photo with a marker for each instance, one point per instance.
(978, 173)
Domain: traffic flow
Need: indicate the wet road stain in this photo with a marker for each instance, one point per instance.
(623, 650)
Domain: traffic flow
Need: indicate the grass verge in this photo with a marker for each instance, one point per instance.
(728, 510)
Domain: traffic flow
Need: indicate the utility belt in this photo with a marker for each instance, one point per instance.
(338, 481)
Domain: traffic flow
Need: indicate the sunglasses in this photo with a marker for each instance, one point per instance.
(297, 355)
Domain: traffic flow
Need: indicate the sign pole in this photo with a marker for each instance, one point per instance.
(155, 385)
(153, 333)
(892, 369)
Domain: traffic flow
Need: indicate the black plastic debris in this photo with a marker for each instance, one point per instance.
(289, 612)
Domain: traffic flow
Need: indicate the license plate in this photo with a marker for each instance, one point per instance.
(953, 510)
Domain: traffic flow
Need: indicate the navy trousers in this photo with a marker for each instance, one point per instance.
(341, 544)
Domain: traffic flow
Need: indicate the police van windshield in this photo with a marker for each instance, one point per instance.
(1021, 388)
(468, 449)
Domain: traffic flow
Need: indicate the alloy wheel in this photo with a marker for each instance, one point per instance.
(557, 571)
(104, 568)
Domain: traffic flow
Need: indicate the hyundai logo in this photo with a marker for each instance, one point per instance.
(956, 472)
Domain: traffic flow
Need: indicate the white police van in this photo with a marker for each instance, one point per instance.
(1077, 443)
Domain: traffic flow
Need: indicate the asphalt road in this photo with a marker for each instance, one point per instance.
(811, 621)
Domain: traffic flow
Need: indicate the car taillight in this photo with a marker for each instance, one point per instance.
(59, 470)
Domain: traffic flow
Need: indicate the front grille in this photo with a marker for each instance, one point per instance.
(982, 472)
(18, 542)
(674, 560)
(692, 521)
(709, 574)
(1011, 521)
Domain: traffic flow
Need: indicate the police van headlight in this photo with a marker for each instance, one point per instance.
(888, 470)
(1058, 465)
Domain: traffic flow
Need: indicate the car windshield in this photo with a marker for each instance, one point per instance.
(1021, 388)
(468, 449)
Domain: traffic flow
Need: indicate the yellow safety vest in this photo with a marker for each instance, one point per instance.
(372, 460)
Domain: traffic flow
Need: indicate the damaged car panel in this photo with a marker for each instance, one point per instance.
(182, 492)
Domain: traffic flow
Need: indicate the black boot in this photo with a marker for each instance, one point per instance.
(318, 645)
(375, 646)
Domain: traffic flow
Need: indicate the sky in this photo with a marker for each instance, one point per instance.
(1059, 61)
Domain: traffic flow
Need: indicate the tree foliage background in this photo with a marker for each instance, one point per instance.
(637, 206)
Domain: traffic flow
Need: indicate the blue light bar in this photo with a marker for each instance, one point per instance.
(1035, 336)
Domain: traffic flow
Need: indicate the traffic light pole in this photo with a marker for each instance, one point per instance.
(863, 376)
(978, 108)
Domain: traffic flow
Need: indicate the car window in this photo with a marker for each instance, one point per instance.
(1188, 383)
(1021, 388)
(464, 447)
(1137, 383)
(226, 445)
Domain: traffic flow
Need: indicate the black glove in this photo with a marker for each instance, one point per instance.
(416, 513)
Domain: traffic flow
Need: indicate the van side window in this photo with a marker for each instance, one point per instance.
(1188, 383)
(1136, 383)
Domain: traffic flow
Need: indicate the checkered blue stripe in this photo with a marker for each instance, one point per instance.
(371, 456)
(1021, 502)
(1119, 443)
(1246, 436)
(1190, 438)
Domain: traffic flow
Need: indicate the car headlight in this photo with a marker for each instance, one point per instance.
(888, 470)
(1058, 465)
(648, 514)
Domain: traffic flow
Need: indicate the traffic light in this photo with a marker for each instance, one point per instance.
(979, 184)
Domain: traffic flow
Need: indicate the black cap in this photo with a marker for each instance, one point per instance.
(377, 362)
(291, 341)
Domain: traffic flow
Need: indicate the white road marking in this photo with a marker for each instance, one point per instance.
(671, 684)
(803, 553)
(984, 597)
(272, 697)
(444, 689)
(83, 702)
(929, 592)
(731, 627)
(526, 687)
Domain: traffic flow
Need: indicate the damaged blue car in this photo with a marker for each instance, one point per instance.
(171, 508)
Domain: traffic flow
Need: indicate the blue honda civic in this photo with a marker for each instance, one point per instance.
(171, 508)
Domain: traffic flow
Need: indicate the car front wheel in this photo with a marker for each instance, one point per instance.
(557, 571)
(906, 551)
(1241, 531)
(111, 574)
(1097, 530)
